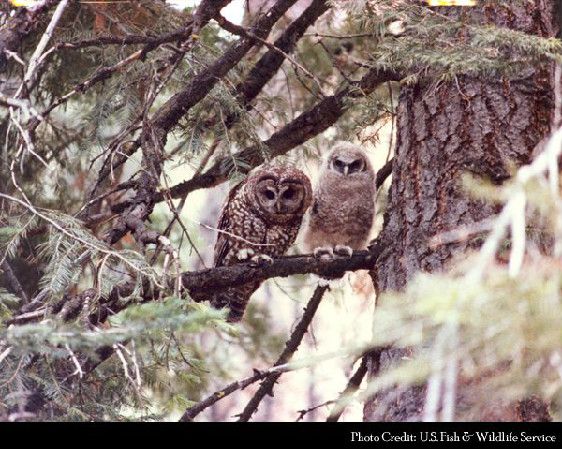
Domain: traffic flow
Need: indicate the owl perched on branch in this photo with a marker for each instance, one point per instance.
(260, 220)
(343, 209)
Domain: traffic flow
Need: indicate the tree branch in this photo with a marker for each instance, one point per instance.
(155, 130)
(220, 278)
(192, 412)
(270, 62)
(202, 284)
(13, 281)
(266, 387)
(242, 32)
(176, 107)
(307, 125)
(18, 27)
(352, 386)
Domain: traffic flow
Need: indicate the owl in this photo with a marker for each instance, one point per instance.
(260, 221)
(343, 208)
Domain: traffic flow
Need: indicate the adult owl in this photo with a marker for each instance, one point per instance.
(343, 208)
(260, 220)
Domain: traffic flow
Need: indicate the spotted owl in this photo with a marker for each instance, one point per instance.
(343, 208)
(259, 221)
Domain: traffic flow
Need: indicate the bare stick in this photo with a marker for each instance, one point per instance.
(291, 347)
(35, 57)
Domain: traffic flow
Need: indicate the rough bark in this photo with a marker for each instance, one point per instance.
(476, 125)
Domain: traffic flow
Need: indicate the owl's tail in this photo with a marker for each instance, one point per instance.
(235, 300)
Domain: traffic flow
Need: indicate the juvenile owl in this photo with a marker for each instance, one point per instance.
(260, 220)
(343, 208)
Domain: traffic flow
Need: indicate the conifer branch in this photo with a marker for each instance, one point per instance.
(306, 126)
(156, 129)
(202, 284)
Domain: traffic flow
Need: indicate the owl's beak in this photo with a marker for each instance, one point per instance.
(278, 206)
(345, 169)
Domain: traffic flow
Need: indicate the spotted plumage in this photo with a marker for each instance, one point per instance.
(260, 220)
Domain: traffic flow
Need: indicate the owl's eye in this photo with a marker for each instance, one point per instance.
(288, 194)
(338, 163)
(356, 165)
(269, 194)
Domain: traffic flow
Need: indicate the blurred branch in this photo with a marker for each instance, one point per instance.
(13, 281)
(266, 387)
(352, 386)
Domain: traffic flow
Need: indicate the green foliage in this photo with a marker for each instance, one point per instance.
(437, 46)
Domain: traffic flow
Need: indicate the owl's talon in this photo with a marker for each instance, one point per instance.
(261, 260)
(245, 254)
(324, 253)
(343, 251)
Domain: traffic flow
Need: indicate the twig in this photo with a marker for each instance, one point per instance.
(97, 247)
(291, 346)
(352, 386)
(35, 57)
(258, 375)
(241, 31)
(304, 412)
(75, 361)
(193, 411)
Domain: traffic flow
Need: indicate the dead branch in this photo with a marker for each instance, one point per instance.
(193, 411)
(291, 346)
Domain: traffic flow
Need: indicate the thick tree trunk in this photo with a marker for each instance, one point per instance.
(476, 125)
